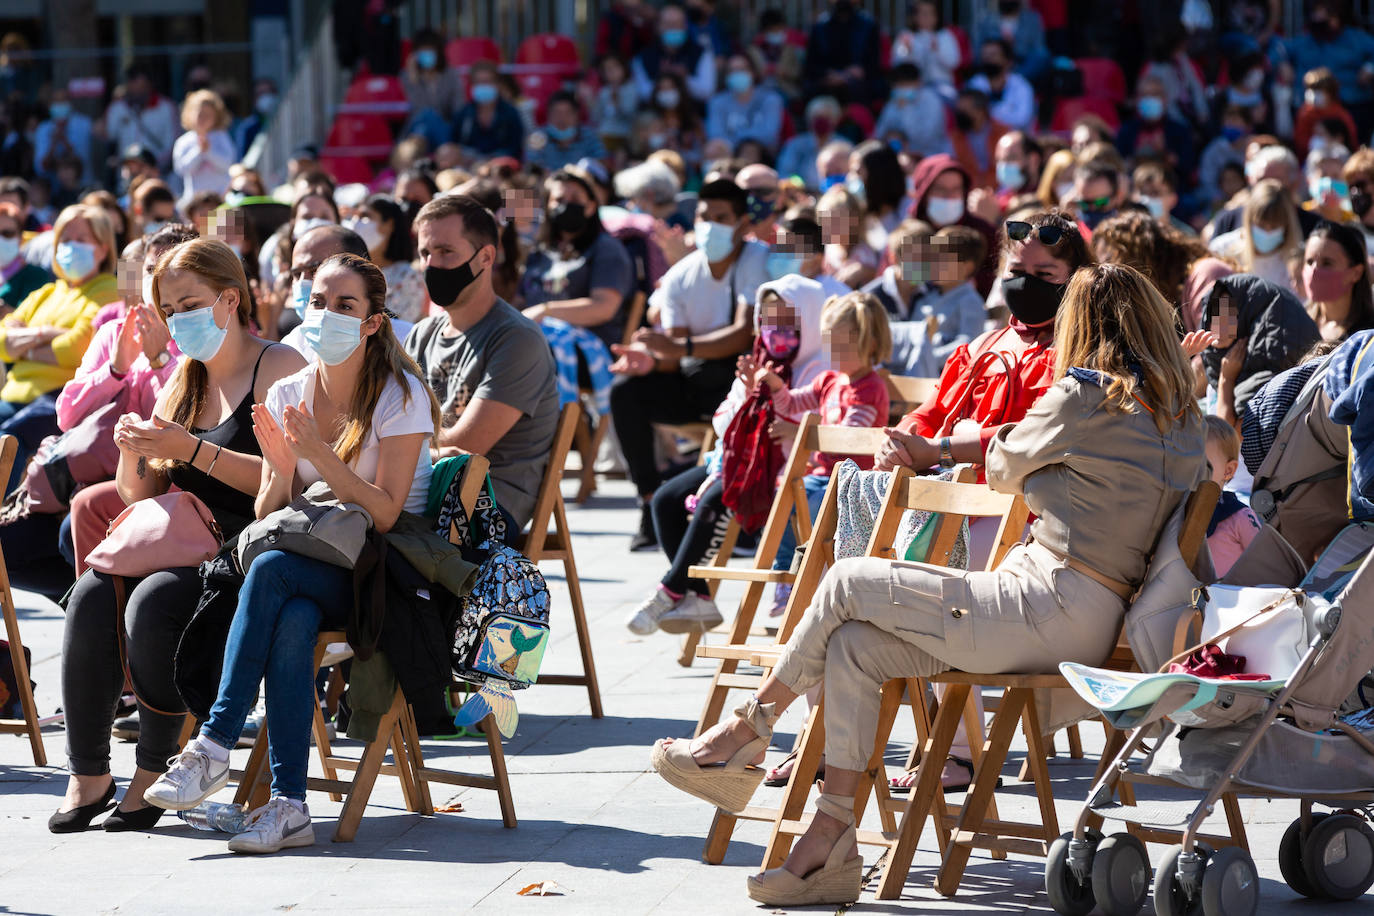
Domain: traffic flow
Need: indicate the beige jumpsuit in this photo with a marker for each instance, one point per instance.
(1101, 485)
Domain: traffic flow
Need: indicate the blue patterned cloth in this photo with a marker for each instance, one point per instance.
(1264, 413)
(568, 342)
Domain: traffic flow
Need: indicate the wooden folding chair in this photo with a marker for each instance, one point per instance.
(905, 394)
(396, 732)
(952, 503)
(977, 825)
(811, 437)
(589, 437)
(9, 447)
(542, 543)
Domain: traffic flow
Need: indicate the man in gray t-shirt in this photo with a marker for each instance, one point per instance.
(489, 366)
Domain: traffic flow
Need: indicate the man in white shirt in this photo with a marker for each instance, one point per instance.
(705, 306)
(142, 117)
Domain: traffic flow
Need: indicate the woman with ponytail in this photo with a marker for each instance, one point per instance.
(199, 439)
(360, 418)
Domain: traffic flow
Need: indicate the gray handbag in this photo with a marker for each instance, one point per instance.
(315, 524)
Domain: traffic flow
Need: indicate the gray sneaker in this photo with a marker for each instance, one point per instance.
(644, 619)
(275, 826)
(192, 778)
(693, 614)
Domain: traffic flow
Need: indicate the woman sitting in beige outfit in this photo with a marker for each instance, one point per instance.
(1102, 461)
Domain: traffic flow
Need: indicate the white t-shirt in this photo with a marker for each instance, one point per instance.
(689, 297)
(394, 416)
(831, 286)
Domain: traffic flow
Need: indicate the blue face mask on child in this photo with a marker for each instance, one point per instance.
(197, 334)
(781, 264)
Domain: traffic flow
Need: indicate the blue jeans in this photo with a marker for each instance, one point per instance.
(815, 485)
(285, 600)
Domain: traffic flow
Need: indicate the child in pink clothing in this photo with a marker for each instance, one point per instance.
(1233, 525)
(855, 330)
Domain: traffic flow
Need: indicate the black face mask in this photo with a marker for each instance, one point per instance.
(1032, 301)
(446, 284)
(1360, 202)
(1009, 7)
(991, 71)
(569, 219)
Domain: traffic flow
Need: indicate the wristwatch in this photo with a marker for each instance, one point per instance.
(946, 454)
(160, 360)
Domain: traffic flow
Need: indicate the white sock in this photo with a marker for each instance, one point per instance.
(210, 749)
(297, 804)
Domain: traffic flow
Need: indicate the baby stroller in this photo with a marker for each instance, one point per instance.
(1280, 737)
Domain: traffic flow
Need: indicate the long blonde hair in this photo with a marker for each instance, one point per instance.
(219, 267)
(1114, 321)
(383, 360)
(1269, 202)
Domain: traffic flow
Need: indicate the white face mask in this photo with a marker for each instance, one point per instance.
(944, 210)
(1266, 241)
(148, 288)
(305, 225)
(9, 249)
(368, 231)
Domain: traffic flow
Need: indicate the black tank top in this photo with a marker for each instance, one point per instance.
(232, 508)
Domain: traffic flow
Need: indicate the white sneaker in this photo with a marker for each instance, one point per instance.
(693, 614)
(193, 777)
(275, 826)
(645, 618)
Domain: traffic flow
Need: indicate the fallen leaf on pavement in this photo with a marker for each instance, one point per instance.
(541, 889)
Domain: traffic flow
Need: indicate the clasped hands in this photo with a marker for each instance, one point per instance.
(297, 437)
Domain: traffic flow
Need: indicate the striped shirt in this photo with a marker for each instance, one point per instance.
(839, 402)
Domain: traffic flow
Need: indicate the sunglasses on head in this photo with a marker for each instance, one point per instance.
(1019, 231)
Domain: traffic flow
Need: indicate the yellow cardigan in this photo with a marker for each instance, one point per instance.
(56, 305)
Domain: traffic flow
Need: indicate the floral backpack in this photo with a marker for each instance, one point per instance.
(503, 623)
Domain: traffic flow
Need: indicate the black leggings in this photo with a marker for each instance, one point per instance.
(689, 542)
(640, 401)
(159, 607)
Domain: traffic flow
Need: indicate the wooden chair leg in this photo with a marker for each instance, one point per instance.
(324, 748)
(584, 633)
(1075, 742)
(21, 669)
(366, 775)
(587, 485)
(688, 654)
(923, 794)
(798, 788)
(1039, 767)
(498, 768)
(978, 803)
(401, 759)
(973, 727)
(874, 777)
(1235, 820)
(415, 758)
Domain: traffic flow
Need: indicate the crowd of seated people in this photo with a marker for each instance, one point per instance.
(1116, 284)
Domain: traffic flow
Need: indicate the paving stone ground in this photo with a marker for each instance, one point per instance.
(613, 836)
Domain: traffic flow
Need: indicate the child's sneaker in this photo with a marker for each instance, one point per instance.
(644, 619)
(693, 614)
(275, 826)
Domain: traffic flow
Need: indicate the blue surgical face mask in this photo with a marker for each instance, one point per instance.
(484, 93)
(904, 94)
(715, 240)
(427, 58)
(197, 334)
(1010, 176)
(1151, 107)
(77, 260)
(855, 186)
(1154, 204)
(300, 297)
(60, 111)
(674, 38)
(332, 336)
(782, 263)
(830, 181)
(739, 81)
(1266, 241)
(560, 134)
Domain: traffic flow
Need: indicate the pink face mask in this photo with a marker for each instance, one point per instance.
(780, 342)
(1324, 284)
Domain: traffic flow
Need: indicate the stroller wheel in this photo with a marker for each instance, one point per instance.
(1230, 885)
(1067, 894)
(1170, 897)
(1338, 856)
(1290, 858)
(1121, 875)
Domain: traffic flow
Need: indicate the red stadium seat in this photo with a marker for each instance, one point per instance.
(1069, 110)
(557, 52)
(379, 95)
(965, 45)
(1102, 78)
(464, 52)
(359, 137)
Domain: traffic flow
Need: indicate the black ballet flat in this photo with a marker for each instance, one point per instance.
(142, 819)
(79, 818)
